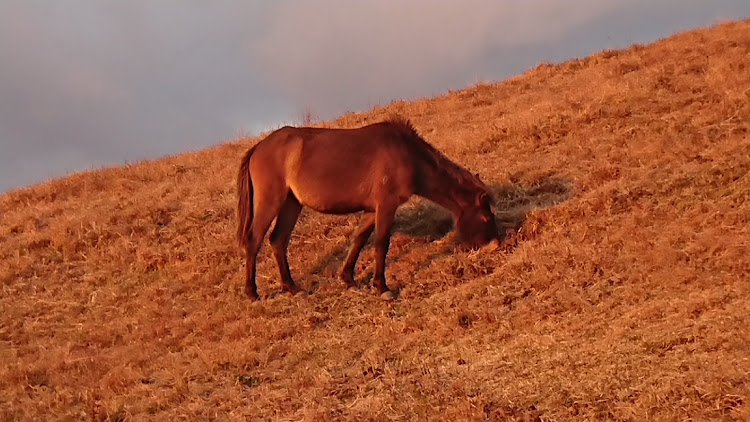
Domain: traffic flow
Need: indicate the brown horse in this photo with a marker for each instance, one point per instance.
(374, 169)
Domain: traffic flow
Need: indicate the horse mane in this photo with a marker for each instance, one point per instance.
(432, 155)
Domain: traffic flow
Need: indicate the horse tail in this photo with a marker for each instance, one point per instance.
(245, 199)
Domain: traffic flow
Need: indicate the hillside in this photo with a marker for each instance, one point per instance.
(622, 291)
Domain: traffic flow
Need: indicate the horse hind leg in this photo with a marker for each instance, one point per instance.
(361, 234)
(280, 236)
(267, 203)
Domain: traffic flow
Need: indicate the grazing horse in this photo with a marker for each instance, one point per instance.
(374, 169)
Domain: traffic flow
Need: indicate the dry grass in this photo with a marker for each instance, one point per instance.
(622, 294)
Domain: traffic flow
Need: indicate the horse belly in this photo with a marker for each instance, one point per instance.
(333, 195)
(330, 202)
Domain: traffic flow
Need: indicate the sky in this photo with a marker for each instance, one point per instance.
(87, 84)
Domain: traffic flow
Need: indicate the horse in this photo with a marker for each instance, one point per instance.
(372, 169)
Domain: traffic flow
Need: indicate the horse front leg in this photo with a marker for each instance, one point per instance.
(361, 234)
(384, 217)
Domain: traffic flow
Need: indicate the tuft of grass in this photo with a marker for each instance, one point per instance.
(247, 380)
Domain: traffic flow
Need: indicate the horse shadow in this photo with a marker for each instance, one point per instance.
(428, 222)
(515, 201)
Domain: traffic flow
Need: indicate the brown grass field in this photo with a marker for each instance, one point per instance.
(622, 291)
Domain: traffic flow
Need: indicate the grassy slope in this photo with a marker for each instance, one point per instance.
(622, 293)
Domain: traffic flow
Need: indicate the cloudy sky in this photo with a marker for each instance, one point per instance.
(92, 83)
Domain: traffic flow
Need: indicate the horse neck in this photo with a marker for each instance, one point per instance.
(442, 188)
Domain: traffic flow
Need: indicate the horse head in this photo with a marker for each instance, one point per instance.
(476, 224)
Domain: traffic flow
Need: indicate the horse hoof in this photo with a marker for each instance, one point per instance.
(492, 246)
(292, 289)
(350, 284)
(387, 296)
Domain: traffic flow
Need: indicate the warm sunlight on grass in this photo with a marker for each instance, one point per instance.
(622, 292)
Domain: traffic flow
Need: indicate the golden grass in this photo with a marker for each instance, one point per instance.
(622, 292)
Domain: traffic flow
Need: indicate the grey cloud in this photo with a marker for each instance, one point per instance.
(334, 56)
(117, 81)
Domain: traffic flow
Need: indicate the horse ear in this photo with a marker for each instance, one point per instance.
(484, 197)
(481, 198)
